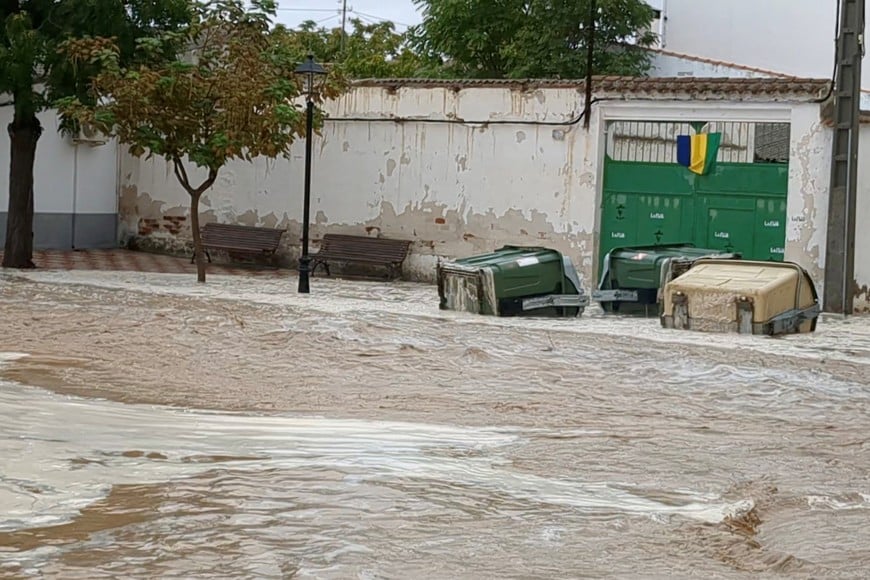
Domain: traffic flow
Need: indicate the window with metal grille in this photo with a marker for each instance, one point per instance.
(656, 141)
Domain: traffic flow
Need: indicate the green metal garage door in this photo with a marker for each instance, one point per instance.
(739, 206)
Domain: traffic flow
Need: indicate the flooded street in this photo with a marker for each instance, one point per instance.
(151, 427)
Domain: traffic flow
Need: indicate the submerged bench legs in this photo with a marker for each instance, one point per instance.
(193, 257)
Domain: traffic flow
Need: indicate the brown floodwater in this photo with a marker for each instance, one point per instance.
(151, 427)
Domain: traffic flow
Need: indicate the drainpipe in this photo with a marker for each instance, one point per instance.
(119, 159)
(75, 195)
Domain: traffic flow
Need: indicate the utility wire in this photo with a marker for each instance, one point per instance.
(378, 18)
(836, 56)
(279, 9)
(327, 19)
(369, 20)
(372, 18)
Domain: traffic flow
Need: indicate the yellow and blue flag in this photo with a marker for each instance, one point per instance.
(698, 152)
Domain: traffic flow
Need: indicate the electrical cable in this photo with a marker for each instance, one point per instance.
(836, 54)
(370, 20)
(279, 9)
(572, 121)
(327, 19)
(378, 18)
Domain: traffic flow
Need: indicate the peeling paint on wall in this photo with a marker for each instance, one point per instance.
(455, 190)
(809, 179)
(458, 190)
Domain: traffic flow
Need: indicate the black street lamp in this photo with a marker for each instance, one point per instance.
(309, 71)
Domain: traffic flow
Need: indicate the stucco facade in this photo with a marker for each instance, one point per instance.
(459, 168)
(756, 34)
(466, 168)
(75, 189)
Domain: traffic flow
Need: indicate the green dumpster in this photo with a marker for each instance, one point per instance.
(632, 277)
(512, 281)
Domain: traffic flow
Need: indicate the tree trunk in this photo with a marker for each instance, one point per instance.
(195, 194)
(24, 134)
(199, 253)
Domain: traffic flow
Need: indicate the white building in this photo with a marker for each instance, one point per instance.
(755, 38)
(792, 37)
(464, 167)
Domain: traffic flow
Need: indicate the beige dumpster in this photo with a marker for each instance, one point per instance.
(742, 296)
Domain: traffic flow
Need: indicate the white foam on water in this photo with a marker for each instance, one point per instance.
(849, 340)
(59, 454)
(858, 501)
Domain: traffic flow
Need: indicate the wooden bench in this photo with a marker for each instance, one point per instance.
(362, 250)
(236, 239)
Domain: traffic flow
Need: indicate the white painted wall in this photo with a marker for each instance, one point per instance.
(862, 241)
(794, 37)
(808, 188)
(53, 173)
(667, 65)
(68, 178)
(458, 190)
(96, 184)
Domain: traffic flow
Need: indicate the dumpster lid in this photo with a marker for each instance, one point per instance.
(505, 254)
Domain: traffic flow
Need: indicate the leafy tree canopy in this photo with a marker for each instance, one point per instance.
(33, 73)
(532, 38)
(231, 95)
(33, 70)
(369, 50)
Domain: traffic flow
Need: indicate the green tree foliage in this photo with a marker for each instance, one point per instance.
(231, 95)
(532, 38)
(369, 50)
(33, 73)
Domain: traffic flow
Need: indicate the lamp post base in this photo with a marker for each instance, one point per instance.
(304, 268)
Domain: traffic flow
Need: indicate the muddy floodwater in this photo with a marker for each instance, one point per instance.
(151, 427)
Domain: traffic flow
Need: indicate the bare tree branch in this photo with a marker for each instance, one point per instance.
(181, 174)
(212, 176)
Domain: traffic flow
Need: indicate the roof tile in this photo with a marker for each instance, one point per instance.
(717, 88)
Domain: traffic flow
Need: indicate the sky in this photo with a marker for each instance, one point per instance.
(328, 12)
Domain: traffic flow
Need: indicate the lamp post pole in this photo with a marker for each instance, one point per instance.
(308, 70)
(305, 260)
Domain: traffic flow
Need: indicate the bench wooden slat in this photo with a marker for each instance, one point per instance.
(361, 249)
(240, 239)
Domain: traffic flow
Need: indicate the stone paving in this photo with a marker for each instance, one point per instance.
(130, 261)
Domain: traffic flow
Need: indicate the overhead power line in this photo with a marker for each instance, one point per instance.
(279, 9)
(344, 11)
(378, 18)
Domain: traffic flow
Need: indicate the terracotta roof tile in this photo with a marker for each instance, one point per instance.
(680, 87)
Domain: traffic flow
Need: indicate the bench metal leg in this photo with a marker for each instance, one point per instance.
(193, 257)
(316, 264)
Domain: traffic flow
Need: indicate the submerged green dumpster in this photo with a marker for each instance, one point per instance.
(632, 277)
(512, 281)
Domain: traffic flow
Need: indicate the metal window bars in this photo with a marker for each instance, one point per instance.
(656, 141)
